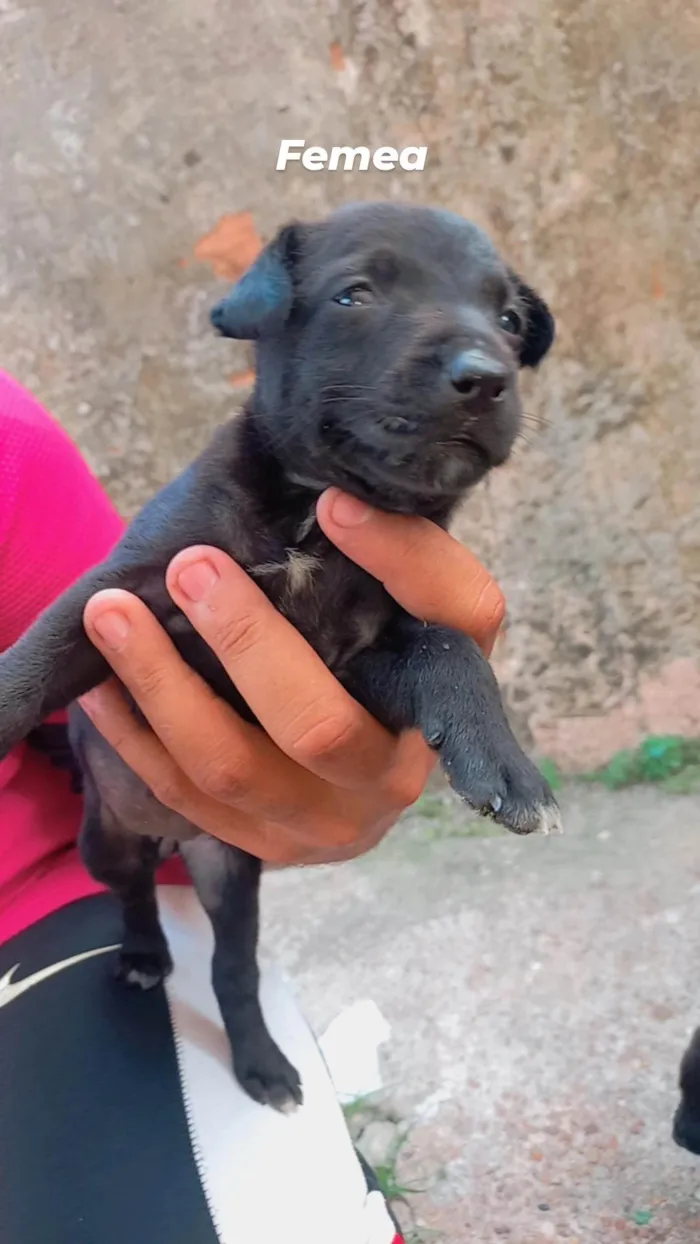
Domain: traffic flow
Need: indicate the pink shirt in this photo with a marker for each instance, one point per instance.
(55, 522)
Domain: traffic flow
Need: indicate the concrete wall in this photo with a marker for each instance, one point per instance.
(129, 129)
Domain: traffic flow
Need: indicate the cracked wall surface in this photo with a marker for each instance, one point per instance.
(129, 130)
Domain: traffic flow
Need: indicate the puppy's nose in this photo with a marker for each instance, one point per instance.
(477, 374)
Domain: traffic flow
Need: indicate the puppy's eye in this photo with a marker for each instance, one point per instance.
(511, 322)
(355, 296)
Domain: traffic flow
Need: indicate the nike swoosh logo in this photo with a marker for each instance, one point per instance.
(9, 989)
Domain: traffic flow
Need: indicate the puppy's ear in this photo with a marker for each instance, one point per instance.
(539, 334)
(261, 301)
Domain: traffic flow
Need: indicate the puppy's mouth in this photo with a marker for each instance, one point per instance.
(468, 446)
(439, 469)
(418, 482)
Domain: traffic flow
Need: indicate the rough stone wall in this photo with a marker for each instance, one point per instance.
(569, 129)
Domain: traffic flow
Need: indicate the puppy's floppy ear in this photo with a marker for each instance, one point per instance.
(261, 301)
(540, 330)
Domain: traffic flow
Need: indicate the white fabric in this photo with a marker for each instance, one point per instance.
(267, 1177)
(350, 1047)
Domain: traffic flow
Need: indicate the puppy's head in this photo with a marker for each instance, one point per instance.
(686, 1124)
(389, 340)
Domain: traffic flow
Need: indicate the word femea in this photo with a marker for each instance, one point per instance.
(316, 159)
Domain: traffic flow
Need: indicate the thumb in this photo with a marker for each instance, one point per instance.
(427, 571)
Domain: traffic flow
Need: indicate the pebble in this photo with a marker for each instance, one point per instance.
(378, 1141)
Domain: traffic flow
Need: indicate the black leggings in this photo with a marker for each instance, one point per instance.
(94, 1142)
(94, 1145)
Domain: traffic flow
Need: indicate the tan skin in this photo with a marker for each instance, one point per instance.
(325, 781)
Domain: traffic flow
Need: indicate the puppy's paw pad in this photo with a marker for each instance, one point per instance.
(143, 969)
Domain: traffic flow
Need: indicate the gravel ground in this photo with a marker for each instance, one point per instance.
(540, 993)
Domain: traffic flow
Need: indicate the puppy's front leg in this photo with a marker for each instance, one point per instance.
(53, 663)
(227, 882)
(438, 680)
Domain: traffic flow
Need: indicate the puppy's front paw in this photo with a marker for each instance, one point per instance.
(495, 777)
(265, 1074)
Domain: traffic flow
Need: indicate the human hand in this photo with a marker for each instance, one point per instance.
(323, 780)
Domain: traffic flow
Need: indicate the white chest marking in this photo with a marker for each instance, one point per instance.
(298, 567)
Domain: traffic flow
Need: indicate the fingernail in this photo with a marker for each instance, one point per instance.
(90, 702)
(112, 628)
(197, 580)
(349, 511)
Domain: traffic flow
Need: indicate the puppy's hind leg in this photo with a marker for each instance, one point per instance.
(127, 862)
(227, 882)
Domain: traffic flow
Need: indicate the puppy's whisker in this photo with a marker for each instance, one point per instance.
(537, 421)
(344, 399)
(520, 444)
(336, 388)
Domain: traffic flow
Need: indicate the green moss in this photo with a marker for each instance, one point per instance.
(367, 1105)
(642, 1217)
(551, 773)
(364, 1110)
(683, 783)
(670, 761)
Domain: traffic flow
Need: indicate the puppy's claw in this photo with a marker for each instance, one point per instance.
(284, 1095)
(550, 821)
(140, 980)
(524, 804)
(521, 818)
(490, 771)
(289, 1106)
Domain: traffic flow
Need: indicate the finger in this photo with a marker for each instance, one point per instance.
(402, 786)
(231, 761)
(427, 571)
(197, 764)
(343, 837)
(294, 696)
(143, 752)
(415, 762)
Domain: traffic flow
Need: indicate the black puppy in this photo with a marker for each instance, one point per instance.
(388, 341)
(686, 1123)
